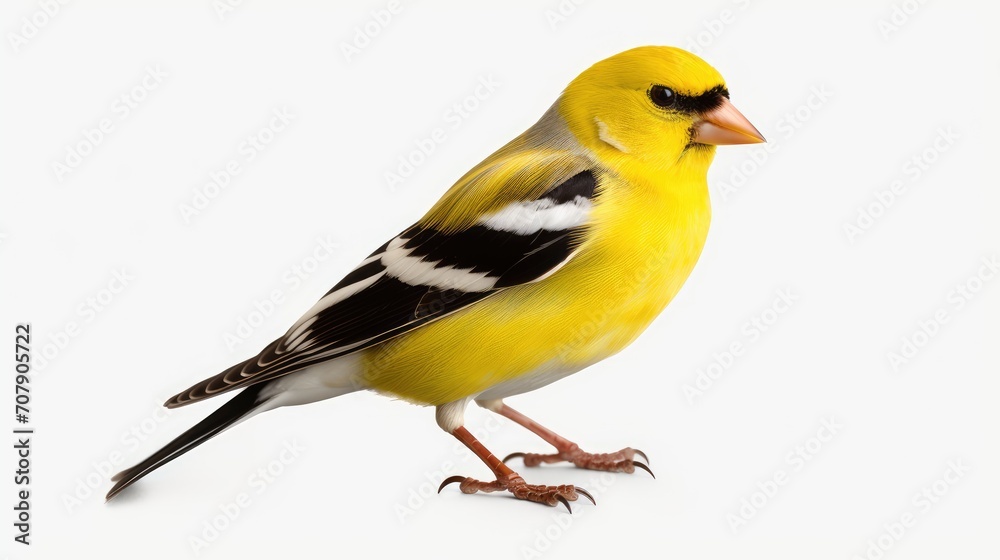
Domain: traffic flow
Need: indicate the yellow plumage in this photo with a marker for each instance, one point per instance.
(552, 254)
(647, 229)
(641, 246)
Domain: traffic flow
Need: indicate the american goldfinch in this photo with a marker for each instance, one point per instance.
(552, 254)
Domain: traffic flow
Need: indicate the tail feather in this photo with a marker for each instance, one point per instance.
(237, 409)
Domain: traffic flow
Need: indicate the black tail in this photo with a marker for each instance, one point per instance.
(227, 415)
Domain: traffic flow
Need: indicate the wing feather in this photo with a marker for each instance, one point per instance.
(468, 247)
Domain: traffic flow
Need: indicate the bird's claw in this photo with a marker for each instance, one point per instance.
(585, 493)
(619, 461)
(639, 452)
(644, 467)
(549, 495)
(565, 502)
(513, 455)
(449, 480)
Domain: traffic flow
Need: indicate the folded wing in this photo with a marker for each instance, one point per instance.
(466, 249)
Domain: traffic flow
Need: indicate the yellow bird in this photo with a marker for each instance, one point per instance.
(552, 254)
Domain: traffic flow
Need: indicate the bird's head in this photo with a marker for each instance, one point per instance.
(654, 105)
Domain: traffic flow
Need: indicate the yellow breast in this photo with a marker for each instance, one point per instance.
(643, 245)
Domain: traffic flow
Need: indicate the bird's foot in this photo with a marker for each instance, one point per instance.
(513, 483)
(619, 461)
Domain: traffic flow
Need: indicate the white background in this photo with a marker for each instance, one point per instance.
(360, 484)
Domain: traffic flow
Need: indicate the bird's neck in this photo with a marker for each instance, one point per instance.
(686, 170)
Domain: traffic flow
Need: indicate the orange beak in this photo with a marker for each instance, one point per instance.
(725, 125)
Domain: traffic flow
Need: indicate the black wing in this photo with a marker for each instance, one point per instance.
(420, 276)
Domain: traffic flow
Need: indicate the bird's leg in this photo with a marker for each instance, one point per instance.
(506, 478)
(619, 461)
(509, 480)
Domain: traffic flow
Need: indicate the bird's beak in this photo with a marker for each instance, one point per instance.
(725, 125)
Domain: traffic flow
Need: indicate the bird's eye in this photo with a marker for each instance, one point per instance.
(661, 96)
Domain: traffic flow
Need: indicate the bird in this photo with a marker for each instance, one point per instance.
(555, 252)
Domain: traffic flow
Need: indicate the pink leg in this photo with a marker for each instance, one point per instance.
(619, 461)
(509, 480)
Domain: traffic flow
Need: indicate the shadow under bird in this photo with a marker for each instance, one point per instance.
(552, 254)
